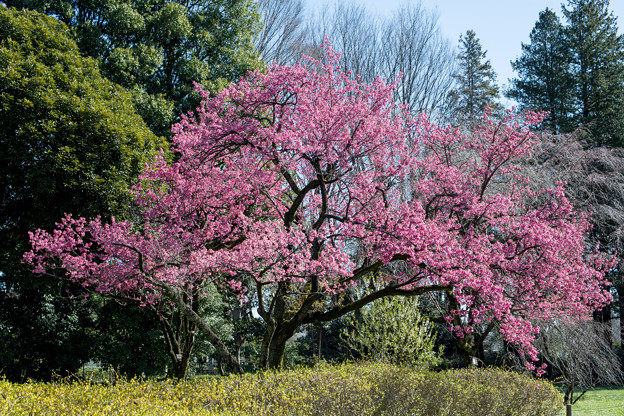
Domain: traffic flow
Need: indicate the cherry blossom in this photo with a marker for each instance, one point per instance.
(294, 184)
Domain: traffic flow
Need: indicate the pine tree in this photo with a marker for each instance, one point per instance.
(544, 81)
(597, 69)
(476, 83)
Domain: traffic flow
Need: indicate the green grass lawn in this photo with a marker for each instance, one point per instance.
(600, 401)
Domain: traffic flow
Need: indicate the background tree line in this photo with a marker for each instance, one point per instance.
(89, 96)
(575, 71)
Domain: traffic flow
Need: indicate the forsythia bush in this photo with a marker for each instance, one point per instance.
(350, 389)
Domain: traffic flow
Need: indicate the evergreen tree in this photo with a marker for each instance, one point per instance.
(476, 82)
(69, 140)
(575, 72)
(597, 69)
(544, 80)
(158, 48)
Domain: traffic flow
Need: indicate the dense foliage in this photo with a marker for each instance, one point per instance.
(597, 69)
(543, 73)
(354, 389)
(159, 48)
(70, 141)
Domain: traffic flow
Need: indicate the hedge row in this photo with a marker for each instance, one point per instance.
(350, 389)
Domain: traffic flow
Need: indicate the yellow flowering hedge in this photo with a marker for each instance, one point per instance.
(349, 389)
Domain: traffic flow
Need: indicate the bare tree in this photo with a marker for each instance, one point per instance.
(408, 44)
(411, 45)
(580, 355)
(282, 37)
(353, 32)
(594, 178)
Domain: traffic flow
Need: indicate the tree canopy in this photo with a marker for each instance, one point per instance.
(543, 69)
(293, 185)
(70, 141)
(597, 69)
(159, 48)
(575, 71)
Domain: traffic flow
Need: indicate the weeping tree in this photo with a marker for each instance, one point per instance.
(593, 177)
(580, 355)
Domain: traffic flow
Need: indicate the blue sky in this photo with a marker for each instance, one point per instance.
(501, 25)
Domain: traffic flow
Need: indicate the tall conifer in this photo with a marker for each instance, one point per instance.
(476, 82)
(543, 69)
(597, 69)
(575, 71)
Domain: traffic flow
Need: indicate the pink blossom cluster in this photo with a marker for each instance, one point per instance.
(305, 173)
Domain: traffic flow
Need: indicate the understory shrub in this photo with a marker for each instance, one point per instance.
(344, 390)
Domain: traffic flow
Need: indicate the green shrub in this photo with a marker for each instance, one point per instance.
(488, 392)
(344, 390)
(392, 330)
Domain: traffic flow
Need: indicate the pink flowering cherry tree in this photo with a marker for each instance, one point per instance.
(294, 185)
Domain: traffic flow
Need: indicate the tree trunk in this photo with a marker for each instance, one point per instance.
(276, 352)
(222, 350)
(471, 345)
(466, 347)
(180, 367)
(604, 316)
(319, 331)
(619, 287)
(274, 346)
(180, 343)
(621, 304)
